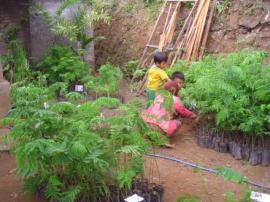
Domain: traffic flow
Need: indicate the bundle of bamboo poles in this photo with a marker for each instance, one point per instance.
(193, 36)
(191, 40)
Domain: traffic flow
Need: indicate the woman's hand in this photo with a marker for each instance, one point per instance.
(193, 116)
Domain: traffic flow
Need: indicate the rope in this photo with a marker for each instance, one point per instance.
(186, 163)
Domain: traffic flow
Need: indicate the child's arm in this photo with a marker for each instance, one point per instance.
(163, 75)
(181, 109)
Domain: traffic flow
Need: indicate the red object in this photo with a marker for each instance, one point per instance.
(159, 116)
(172, 86)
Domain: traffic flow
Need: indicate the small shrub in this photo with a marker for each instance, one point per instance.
(189, 198)
(107, 81)
(15, 64)
(68, 152)
(234, 88)
(62, 64)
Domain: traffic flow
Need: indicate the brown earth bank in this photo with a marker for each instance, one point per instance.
(238, 24)
(10, 186)
(179, 180)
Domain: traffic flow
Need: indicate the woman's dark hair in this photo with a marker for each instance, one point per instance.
(178, 75)
(160, 57)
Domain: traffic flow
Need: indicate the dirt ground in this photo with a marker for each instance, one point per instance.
(179, 180)
(176, 179)
(10, 186)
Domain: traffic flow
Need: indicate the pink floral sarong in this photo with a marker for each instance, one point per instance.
(157, 115)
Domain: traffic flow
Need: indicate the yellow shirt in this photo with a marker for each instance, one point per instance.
(156, 78)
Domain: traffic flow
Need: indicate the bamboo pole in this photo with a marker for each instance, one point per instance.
(166, 37)
(207, 29)
(179, 40)
(173, 23)
(191, 31)
(142, 62)
(201, 26)
(167, 19)
(193, 34)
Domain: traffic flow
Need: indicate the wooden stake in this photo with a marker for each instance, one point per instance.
(166, 37)
(179, 40)
(142, 63)
(207, 29)
(167, 19)
(194, 31)
(201, 25)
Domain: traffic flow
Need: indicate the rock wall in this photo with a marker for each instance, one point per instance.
(41, 36)
(34, 31)
(14, 13)
(244, 24)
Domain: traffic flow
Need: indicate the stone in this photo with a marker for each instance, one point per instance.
(247, 39)
(4, 98)
(230, 36)
(266, 18)
(250, 22)
(3, 147)
(217, 36)
(264, 34)
(232, 21)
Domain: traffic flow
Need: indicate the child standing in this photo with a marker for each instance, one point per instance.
(156, 76)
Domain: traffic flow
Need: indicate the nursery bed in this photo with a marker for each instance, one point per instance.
(176, 179)
(239, 146)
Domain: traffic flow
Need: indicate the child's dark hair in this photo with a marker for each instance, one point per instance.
(160, 57)
(178, 75)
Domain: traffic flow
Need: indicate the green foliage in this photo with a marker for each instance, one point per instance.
(223, 6)
(230, 175)
(233, 87)
(131, 68)
(15, 64)
(168, 99)
(28, 97)
(107, 81)
(149, 2)
(189, 198)
(84, 12)
(62, 64)
(229, 197)
(70, 151)
(74, 96)
(246, 196)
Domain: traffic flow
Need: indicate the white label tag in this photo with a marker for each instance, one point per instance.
(134, 198)
(79, 88)
(46, 105)
(260, 197)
